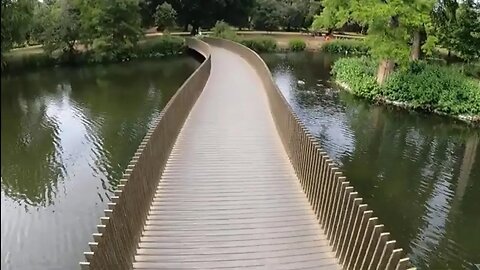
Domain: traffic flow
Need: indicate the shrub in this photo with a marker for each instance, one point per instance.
(261, 44)
(358, 74)
(423, 86)
(347, 47)
(297, 45)
(224, 30)
(432, 87)
(156, 47)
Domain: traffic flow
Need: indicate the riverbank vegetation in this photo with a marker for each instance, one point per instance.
(347, 47)
(396, 36)
(402, 42)
(419, 85)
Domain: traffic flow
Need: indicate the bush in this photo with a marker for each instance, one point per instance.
(297, 45)
(100, 52)
(358, 74)
(347, 47)
(422, 86)
(161, 46)
(224, 30)
(261, 44)
(431, 87)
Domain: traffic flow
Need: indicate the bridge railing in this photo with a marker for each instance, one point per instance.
(356, 235)
(114, 245)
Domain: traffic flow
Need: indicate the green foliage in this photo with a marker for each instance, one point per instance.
(358, 74)
(420, 85)
(457, 27)
(224, 30)
(165, 16)
(110, 29)
(268, 15)
(391, 24)
(295, 14)
(260, 45)
(161, 46)
(201, 13)
(60, 26)
(150, 48)
(296, 45)
(272, 15)
(467, 33)
(347, 47)
(16, 18)
(430, 87)
(335, 14)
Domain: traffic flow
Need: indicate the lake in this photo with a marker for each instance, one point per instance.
(67, 134)
(419, 172)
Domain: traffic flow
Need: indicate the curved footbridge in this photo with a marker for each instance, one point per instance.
(228, 177)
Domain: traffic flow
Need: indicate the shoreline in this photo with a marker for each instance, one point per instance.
(473, 120)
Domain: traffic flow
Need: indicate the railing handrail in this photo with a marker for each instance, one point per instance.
(358, 240)
(114, 245)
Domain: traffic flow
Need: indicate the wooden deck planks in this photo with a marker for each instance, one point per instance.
(228, 197)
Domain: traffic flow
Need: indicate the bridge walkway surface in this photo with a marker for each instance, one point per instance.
(229, 196)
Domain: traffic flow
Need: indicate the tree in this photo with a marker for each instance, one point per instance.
(391, 26)
(16, 16)
(60, 27)
(457, 26)
(110, 28)
(203, 13)
(237, 12)
(314, 7)
(165, 16)
(444, 18)
(268, 15)
(467, 32)
(296, 13)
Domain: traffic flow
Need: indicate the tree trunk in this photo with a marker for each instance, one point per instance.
(415, 52)
(185, 27)
(384, 70)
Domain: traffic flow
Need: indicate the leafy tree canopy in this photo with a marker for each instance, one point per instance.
(165, 16)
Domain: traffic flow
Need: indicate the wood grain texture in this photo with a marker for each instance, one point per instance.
(229, 197)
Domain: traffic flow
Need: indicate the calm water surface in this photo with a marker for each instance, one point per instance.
(66, 137)
(420, 173)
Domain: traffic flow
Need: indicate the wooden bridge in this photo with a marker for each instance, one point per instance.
(230, 178)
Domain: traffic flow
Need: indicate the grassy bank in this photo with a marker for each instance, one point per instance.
(30, 58)
(346, 47)
(420, 86)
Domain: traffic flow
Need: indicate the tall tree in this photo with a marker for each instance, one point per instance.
(457, 26)
(237, 12)
(16, 17)
(296, 13)
(165, 16)
(467, 32)
(60, 26)
(391, 26)
(444, 18)
(110, 28)
(268, 15)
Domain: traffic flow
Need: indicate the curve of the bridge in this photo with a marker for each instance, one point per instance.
(229, 197)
